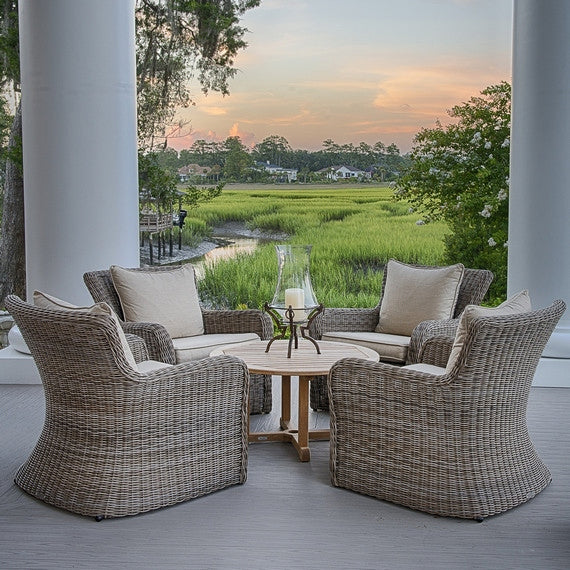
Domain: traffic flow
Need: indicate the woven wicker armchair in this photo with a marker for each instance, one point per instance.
(474, 286)
(118, 442)
(452, 444)
(160, 345)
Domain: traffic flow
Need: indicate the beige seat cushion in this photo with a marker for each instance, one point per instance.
(45, 301)
(428, 368)
(416, 294)
(519, 303)
(390, 347)
(196, 347)
(169, 298)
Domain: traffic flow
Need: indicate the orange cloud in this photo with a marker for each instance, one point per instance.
(213, 111)
(248, 139)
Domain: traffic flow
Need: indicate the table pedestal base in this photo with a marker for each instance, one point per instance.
(301, 436)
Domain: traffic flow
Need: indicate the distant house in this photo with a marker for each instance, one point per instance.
(278, 172)
(193, 170)
(343, 172)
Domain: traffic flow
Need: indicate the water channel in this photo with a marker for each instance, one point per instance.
(236, 246)
(221, 246)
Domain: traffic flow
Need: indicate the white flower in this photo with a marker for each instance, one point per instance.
(486, 211)
(410, 210)
(490, 157)
(506, 244)
(506, 143)
(433, 170)
(508, 181)
(487, 145)
(491, 242)
(420, 223)
(476, 137)
(502, 195)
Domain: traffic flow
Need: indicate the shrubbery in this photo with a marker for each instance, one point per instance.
(460, 174)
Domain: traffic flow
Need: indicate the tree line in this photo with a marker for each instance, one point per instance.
(232, 161)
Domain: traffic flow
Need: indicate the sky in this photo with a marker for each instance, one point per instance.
(354, 71)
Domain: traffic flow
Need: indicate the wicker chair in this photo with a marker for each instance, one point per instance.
(452, 444)
(159, 343)
(117, 442)
(474, 286)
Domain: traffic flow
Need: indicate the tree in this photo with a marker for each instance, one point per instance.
(177, 41)
(168, 159)
(460, 174)
(12, 244)
(272, 149)
(237, 159)
(159, 186)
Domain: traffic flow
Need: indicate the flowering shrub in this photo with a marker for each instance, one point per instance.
(460, 174)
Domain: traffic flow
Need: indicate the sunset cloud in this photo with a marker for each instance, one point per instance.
(379, 71)
(214, 111)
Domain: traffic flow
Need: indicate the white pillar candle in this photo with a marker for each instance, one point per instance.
(295, 298)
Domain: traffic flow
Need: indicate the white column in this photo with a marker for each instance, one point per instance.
(79, 139)
(539, 217)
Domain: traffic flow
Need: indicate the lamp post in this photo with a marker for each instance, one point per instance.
(181, 217)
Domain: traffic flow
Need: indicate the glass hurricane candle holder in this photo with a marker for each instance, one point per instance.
(294, 303)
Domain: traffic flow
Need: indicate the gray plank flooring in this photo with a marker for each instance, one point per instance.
(287, 515)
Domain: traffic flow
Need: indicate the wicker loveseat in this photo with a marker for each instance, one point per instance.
(449, 442)
(122, 438)
(220, 327)
(354, 325)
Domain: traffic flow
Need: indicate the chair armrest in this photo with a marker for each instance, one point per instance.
(358, 377)
(158, 342)
(425, 331)
(138, 347)
(436, 350)
(334, 319)
(238, 321)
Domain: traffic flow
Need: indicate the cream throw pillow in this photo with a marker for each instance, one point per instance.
(519, 303)
(416, 294)
(45, 301)
(169, 298)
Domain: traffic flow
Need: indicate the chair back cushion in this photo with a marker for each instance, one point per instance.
(415, 294)
(45, 301)
(519, 303)
(169, 298)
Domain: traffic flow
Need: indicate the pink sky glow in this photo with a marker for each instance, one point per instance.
(365, 71)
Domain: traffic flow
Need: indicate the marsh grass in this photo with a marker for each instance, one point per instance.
(194, 231)
(353, 231)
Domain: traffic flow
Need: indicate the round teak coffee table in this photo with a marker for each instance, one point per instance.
(304, 363)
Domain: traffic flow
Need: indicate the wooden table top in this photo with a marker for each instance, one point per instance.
(304, 360)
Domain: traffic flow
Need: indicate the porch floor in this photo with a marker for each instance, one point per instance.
(287, 514)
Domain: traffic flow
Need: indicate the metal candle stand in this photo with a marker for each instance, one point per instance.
(282, 326)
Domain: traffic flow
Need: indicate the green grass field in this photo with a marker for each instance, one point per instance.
(354, 231)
